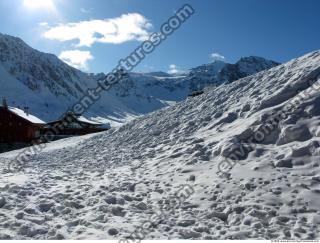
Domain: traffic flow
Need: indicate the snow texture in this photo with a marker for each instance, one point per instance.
(103, 186)
(26, 116)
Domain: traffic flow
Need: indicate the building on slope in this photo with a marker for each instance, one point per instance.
(17, 127)
(73, 125)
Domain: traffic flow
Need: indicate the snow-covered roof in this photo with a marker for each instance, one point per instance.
(26, 116)
(83, 119)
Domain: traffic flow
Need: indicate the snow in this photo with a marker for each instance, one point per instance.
(104, 186)
(49, 86)
(52, 146)
(83, 119)
(105, 125)
(26, 116)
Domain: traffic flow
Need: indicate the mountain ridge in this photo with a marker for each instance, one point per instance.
(50, 86)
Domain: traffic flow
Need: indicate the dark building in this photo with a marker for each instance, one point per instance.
(74, 125)
(18, 126)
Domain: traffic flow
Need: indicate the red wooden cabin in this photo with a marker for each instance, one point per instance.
(17, 126)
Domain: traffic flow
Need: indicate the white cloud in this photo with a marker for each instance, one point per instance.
(174, 69)
(127, 27)
(39, 4)
(173, 66)
(44, 24)
(76, 58)
(217, 57)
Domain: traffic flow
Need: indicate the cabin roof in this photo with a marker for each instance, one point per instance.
(24, 115)
(82, 119)
(85, 120)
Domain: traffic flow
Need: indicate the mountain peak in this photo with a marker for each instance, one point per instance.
(49, 86)
(246, 66)
(255, 60)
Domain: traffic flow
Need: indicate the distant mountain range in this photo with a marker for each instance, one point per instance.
(49, 86)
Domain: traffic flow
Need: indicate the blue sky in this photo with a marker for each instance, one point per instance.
(278, 30)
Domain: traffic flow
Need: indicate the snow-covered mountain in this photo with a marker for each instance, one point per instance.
(41, 81)
(40, 71)
(246, 66)
(162, 89)
(205, 75)
(262, 131)
(49, 86)
(218, 72)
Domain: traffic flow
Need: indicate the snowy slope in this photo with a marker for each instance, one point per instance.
(106, 185)
(40, 70)
(44, 83)
(49, 86)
